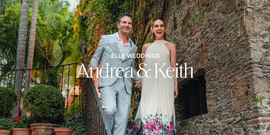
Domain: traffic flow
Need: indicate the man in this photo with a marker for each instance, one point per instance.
(115, 77)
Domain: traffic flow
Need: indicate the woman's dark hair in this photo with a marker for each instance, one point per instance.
(123, 15)
(153, 38)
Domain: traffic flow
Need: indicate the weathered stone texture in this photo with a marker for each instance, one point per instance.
(229, 41)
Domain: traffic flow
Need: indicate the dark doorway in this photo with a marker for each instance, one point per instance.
(194, 97)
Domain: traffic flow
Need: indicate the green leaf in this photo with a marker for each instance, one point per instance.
(196, 16)
(261, 99)
(184, 27)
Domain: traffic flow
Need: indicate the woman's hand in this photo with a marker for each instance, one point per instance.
(175, 91)
(138, 84)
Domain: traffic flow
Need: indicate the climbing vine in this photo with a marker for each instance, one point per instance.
(95, 18)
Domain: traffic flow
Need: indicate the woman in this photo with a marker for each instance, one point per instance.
(156, 113)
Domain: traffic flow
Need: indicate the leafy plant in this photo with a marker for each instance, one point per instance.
(45, 103)
(66, 123)
(5, 124)
(266, 44)
(256, 100)
(76, 122)
(8, 100)
(52, 77)
(77, 108)
(21, 122)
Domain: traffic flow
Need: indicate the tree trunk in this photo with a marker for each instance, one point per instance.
(31, 48)
(21, 53)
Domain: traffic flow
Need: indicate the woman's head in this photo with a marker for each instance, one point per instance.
(158, 30)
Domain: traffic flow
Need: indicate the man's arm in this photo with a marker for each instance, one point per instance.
(98, 53)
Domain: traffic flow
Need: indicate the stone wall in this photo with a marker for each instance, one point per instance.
(229, 41)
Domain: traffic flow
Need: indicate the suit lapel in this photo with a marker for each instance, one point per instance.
(114, 45)
(131, 50)
(133, 47)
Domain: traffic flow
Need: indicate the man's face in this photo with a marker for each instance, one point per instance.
(125, 26)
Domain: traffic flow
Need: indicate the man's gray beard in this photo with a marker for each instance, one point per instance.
(125, 33)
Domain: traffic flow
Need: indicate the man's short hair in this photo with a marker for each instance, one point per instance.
(123, 15)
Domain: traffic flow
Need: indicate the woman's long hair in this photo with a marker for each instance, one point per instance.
(153, 37)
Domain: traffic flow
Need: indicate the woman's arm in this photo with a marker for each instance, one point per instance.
(173, 57)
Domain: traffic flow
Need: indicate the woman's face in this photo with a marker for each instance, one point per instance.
(158, 29)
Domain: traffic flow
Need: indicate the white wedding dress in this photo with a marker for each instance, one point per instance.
(156, 112)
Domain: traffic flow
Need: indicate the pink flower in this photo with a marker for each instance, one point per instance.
(145, 132)
(148, 125)
(81, 13)
(89, 15)
(154, 120)
(160, 126)
(171, 124)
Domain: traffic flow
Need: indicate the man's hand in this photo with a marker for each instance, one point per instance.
(138, 84)
(91, 70)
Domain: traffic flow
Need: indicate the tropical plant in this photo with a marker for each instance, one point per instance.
(45, 103)
(31, 47)
(23, 27)
(54, 32)
(9, 27)
(8, 100)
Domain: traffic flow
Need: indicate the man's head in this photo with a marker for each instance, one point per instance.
(125, 23)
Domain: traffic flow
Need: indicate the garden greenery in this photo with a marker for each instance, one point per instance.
(8, 100)
(45, 103)
(75, 107)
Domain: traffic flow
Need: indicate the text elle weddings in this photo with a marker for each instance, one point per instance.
(107, 72)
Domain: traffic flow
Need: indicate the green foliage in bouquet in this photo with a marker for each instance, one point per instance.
(8, 100)
(45, 103)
